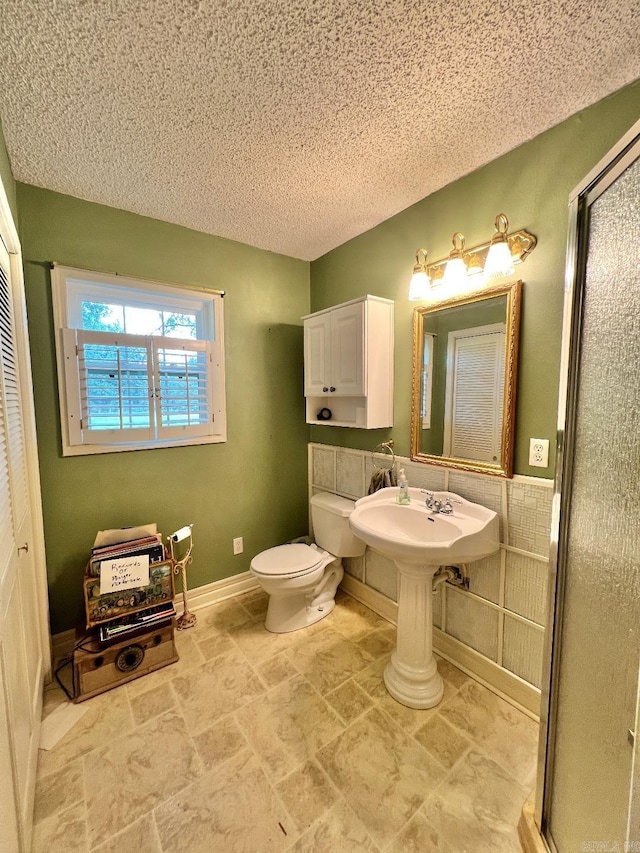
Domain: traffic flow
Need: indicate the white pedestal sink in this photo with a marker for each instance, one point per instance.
(419, 541)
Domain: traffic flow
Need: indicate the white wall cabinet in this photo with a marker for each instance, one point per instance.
(348, 364)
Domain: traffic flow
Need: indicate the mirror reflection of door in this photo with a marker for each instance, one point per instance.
(465, 354)
(475, 393)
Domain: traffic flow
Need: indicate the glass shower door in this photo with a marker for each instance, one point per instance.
(596, 648)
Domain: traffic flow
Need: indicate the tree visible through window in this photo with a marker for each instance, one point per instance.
(101, 317)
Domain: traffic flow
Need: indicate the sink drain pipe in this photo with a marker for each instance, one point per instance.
(455, 575)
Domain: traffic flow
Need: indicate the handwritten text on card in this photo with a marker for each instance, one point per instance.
(124, 573)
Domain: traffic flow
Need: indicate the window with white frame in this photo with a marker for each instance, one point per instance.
(140, 364)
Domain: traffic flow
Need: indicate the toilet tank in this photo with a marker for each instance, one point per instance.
(330, 517)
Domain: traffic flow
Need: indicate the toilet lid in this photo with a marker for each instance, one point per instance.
(286, 560)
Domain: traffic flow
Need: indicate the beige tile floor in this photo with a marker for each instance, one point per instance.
(255, 742)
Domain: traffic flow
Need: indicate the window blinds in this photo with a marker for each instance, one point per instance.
(127, 388)
(12, 407)
(478, 391)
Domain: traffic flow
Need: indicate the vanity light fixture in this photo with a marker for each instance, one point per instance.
(455, 272)
(471, 267)
(420, 281)
(499, 261)
(474, 266)
(518, 253)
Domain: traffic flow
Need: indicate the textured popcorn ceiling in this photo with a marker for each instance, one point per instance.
(292, 125)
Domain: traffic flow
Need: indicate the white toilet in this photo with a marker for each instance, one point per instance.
(301, 580)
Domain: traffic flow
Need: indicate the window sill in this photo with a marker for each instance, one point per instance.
(96, 449)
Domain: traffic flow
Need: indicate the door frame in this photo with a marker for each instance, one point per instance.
(9, 235)
(620, 156)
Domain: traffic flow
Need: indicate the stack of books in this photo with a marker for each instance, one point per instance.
(151, 545)
(130, 610)
(147, 619)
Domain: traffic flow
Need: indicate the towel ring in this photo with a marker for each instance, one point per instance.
(385, 451)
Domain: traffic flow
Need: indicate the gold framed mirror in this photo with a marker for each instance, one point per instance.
(465, 364)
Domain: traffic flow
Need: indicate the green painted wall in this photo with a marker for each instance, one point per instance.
(531, 186)
(226, 490)
(6, 175)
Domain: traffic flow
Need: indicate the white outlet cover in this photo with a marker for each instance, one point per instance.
(238, 545)
(539, 452)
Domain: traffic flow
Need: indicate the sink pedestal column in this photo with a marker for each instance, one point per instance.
(411, 676)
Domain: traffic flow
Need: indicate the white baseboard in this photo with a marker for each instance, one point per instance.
(210, 593)
(508, 686)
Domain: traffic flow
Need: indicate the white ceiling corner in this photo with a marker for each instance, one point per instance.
(292, 126)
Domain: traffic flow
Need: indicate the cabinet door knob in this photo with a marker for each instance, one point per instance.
(24, 548)
(325, 389)
(332, 388)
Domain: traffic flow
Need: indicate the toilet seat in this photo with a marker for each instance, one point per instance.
(288, 561)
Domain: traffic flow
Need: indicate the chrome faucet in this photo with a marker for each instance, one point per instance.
(435, 505)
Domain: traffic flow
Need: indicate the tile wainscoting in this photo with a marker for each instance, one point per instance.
(495, 630)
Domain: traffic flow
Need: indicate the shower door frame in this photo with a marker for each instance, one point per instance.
(610, 167)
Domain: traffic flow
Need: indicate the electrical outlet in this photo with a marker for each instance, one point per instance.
(539, 452)
(238, 545)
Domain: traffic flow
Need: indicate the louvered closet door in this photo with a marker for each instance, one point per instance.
(20, 654)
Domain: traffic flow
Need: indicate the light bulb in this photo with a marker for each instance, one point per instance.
(455, 273)
(420, 282)
(499, 261)
(420, 286)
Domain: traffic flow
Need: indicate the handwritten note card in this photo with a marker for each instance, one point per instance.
(124, 573)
